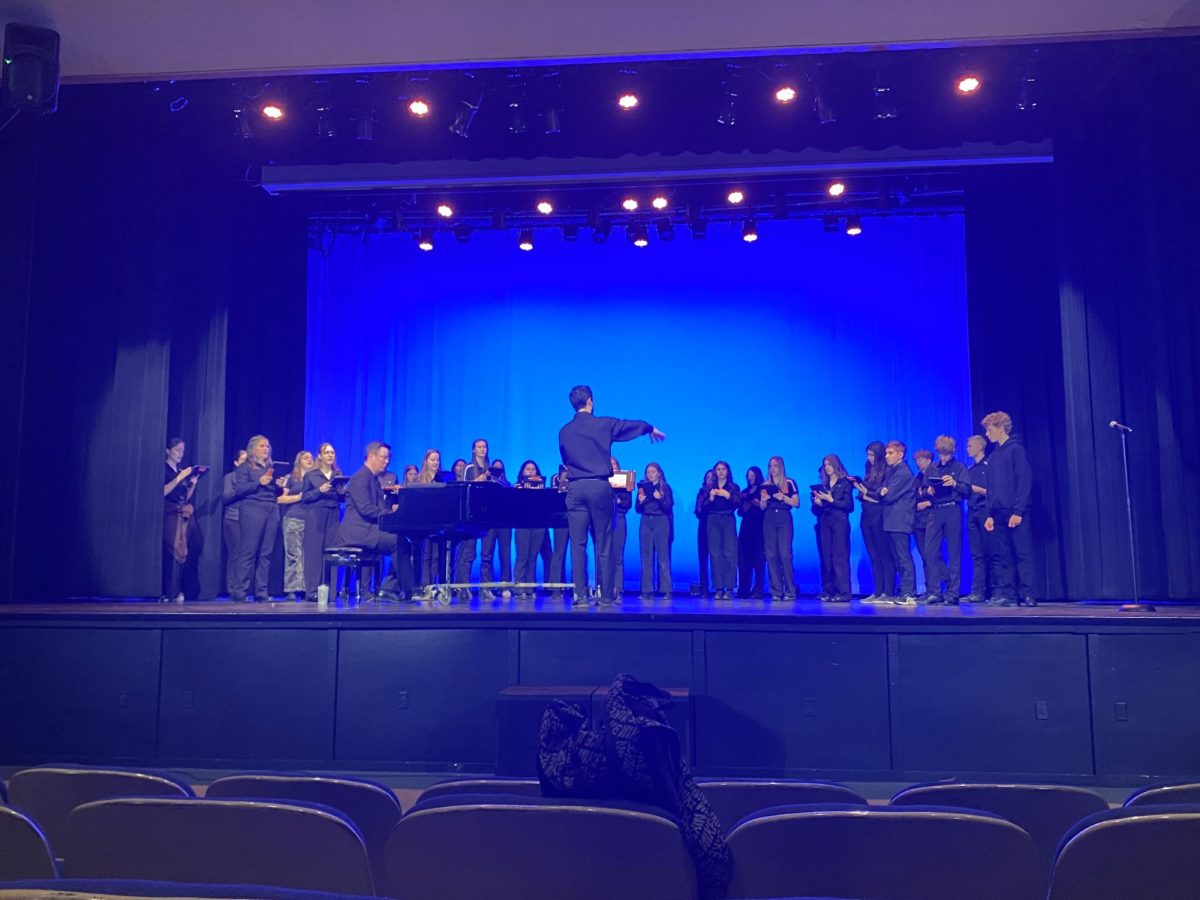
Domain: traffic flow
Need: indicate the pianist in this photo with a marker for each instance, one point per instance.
(365, 503)
(586, 447)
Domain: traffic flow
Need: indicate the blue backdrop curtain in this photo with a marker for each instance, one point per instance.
(802, 344)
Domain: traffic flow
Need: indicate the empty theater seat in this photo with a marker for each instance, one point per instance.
(24, 850)
(735, 798)
(1165, 792)
(523, 787)
(915, 853)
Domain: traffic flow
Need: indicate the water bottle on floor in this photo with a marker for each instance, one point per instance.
(322, 596)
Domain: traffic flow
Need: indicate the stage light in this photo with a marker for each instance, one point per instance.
(525, 241)
(600, 231)
(364, 128)
(461, 125)
(785, 94)
(659, 202)
(629, 204)
(637, 234)
(885, 100)
(1028, 98)
(545, 207)
(853, 226)
(516, 122)
(836, 189)
(425, 239)
(244, 129)
(735, 196)
(728, 112)
(445, 210)
(699, 228)
(666, 231)
(823, 96)
(749, 231)
(272, 111)
(968, 84)
(418, 108)
(628, 101)
(553, 125)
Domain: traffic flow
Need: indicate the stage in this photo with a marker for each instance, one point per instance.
(1071, 693)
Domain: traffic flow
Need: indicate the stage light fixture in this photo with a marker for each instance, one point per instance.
(550, 117)
(885, 100)
(600, 231)
(749, 231)
(666, 231)
(629, 204)
(728, 111)
(699, 228)
(516, 121)
(244, 129)
(445, 210)
(637, 235)
(419, 108)
(545, 207)
(836, 189)
(823, 96)
(968, 83)
(660, 202)
(364, 127)
(628, 101)
(272, 111)
(461, 125)
(853, 226)
(786, 94)
(525, 241)
(735, 196)
(1028, 98)
(425, 239)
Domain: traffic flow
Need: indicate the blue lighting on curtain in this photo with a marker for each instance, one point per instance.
(801, 344)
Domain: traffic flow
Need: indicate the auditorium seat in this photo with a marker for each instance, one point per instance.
(524, 787)
(24, 850)
(1136, 852)
(371, 806)
(911, 853)
(1165, 792)
(3, 792)
(1045, 812)
(294, 845)
(102, 888)
(49, 793)
(515, 848)
(734, 799)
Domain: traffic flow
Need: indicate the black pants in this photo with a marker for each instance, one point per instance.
(752, 565)
(834, 546)
(497, 539)
(1014, 555)
(702, 553)
(946, 525)
(927, 570)
(259, 523)
(654, 539)
(590, 508)
(777, 545)
(400, 577)
(320, 531)
(620, 535)
(722, 548)
(558, 556)
(901, 551)
(464, 560)
(879, 549)
(982, 554)
(529, 544)
(232, 535)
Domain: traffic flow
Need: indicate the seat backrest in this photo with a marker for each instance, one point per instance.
(24, 850)
(529, 787)
(917, 853)
(371, 806)
(1044, 812)
(1156, 794)
(290, 845)
(513, 851)
(1143, 851)
(735, 799)
(3, 792)
(49, 793)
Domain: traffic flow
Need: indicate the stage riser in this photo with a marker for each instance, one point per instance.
(1103, 707)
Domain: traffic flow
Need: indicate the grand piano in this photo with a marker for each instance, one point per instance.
(470, 508)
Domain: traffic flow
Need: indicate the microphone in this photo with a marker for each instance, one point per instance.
(1120, 426)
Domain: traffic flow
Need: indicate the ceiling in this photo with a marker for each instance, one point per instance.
(135, 40)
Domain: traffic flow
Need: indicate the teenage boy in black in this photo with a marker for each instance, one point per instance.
(1010, 482)
(947, 484)
(979, 542)
(585, 444)
(922, 517)
(897, 496)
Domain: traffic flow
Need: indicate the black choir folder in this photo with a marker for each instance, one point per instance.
(339, 480)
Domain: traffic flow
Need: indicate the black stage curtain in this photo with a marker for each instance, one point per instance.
(1083, 282)
(144, 252)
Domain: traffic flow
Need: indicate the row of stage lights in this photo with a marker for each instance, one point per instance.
(638, 233)
(965, 84)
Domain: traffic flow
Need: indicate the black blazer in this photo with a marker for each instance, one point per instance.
(364, 505)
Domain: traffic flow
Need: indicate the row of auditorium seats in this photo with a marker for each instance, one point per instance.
(500, 838)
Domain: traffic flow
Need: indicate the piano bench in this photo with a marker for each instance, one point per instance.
(359, 566)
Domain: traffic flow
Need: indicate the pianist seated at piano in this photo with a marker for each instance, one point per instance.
(366, 503)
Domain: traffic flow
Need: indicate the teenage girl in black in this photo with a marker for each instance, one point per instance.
(832, 506)
(875, 539)
(721, 503)
(751, 561)
(529, 540)
(780, 497)
(655, 502)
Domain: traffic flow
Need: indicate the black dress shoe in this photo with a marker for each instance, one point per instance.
(950, 599)
(1027, 602)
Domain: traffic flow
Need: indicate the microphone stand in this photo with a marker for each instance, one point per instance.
(1137, 605)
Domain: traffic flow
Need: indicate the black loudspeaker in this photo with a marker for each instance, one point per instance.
(30, 80)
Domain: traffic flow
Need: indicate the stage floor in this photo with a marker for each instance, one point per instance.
(679, 608)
